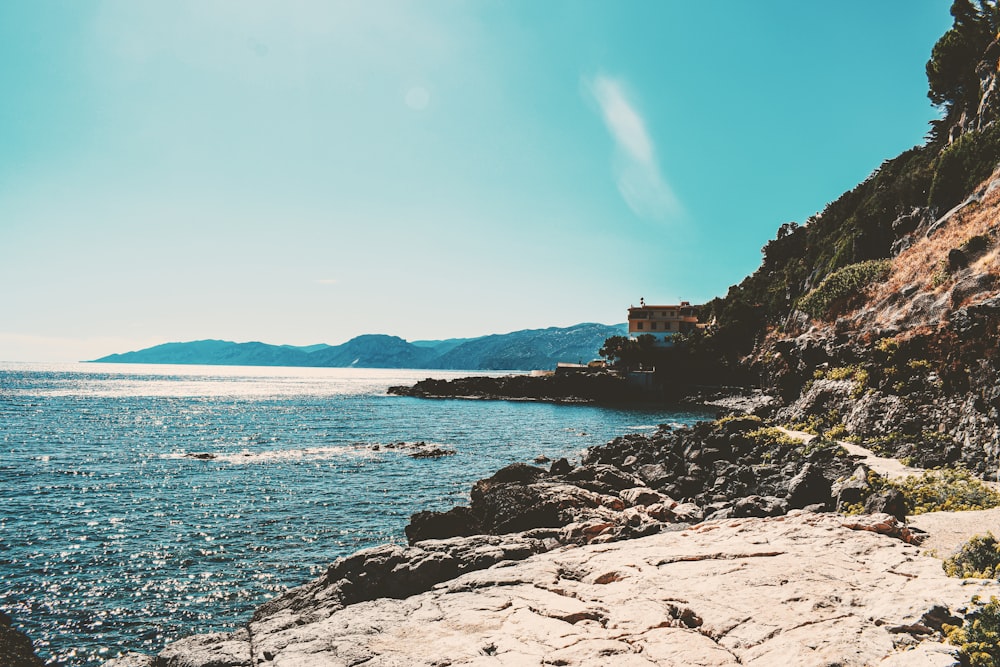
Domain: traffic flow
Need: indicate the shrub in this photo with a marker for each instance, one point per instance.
(842, 284)
(962, 165)
(855, 373)
(772, 437)
(978, 558)
(978, 639)
(948, 489)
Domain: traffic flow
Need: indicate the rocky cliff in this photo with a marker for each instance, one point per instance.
(878, 319)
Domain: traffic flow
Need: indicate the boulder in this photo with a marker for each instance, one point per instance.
(808, 487)
(889, 501)
(759, 506)
(456, 522)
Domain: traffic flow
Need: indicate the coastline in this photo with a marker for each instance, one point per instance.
(529, 532)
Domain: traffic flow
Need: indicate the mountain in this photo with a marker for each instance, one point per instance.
(441, 346)
(535, 348)
(214, 353)
(521, 350)
(373, 351)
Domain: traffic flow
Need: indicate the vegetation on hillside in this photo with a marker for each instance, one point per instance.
(809, 267)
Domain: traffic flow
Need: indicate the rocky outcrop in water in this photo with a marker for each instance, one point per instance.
(584, 387)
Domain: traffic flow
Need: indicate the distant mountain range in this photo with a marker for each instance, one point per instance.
(530, 349)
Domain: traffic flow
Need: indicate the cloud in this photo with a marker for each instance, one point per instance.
(636, 169)
(327, 281)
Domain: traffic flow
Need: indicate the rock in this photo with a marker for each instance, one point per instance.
(800, 590)
(602, 478)
(212, 650)
(456, 522)
(560, 467)
(516, 472)
(655, 475)
(890, 501)
(642, 495)
(970, 287)
(432, 453)
(853, 490)
(957, 260)
(808, 487)
(16, 649)
(687, 513)
(132, 660)
(757, 506)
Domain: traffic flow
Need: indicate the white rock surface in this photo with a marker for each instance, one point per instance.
(804, 589)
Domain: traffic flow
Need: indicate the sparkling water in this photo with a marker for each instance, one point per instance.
(114, 537)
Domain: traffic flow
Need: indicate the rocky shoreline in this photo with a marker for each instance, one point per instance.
(588, 387)
(579, 551)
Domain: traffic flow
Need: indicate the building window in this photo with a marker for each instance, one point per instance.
(639, 325)
(653, 326)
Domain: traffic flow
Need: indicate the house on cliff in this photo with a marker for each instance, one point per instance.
(661, 322)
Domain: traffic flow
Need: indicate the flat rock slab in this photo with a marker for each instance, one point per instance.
(803, 589)
(948, 531)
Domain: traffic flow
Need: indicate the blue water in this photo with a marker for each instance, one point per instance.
(111, 539)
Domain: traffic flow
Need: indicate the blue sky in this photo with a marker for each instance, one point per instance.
(302, 172)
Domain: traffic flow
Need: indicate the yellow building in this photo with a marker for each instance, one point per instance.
(661, 322)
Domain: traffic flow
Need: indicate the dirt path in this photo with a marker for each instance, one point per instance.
(947, 531)
(887, 467)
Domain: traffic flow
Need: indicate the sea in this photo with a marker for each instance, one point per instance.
(143, 503)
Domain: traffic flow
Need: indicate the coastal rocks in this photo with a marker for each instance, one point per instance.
(417, 450)
(800, 589)
(585, 387)
(640, 484)
(457, 522)
(15, 647)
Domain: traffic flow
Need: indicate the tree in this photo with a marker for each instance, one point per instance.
(622, 351)
(951, 71)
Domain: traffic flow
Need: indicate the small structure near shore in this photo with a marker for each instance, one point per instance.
(661, 322)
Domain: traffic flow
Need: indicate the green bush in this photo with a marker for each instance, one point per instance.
(962, 165)
(943, 490)
(841, 285)
(978, 640)
(947, 490)
(773, 437)
(978, 558)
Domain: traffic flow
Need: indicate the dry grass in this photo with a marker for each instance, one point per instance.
(919, 263)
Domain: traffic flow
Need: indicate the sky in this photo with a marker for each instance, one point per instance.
(301, 172)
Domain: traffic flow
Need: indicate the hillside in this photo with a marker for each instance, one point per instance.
(529, 349)
(879, 318)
